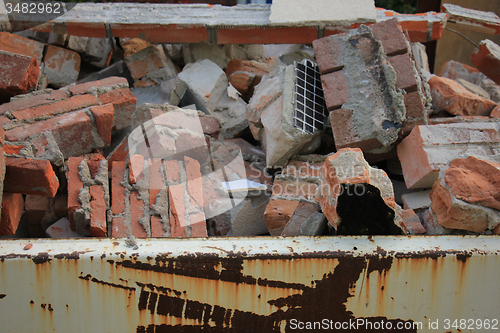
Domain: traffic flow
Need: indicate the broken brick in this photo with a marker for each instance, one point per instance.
(63, 106)
(412, 222)
(117, 189)
(124, 104)
(74, 186)
(303, 211)
(84, 88)
(486, 58)
(390, 34)
(12, 210)
(136, 168)
(62, 66)
(194, 182)
(103, 115)
(455, 70)
(156, 227)
(27, 176)
(454, 98)
(137, 215)
(403, 66)
(278, 213)
(173, 169)
(177, 210)
(21, 45)
(33, 101)
(429, 147)
(19, 74)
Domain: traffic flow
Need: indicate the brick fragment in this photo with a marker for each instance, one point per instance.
(29, 176)
(412, 222)
(19, 74)
(337, 89)
(61, 229)
(137, 215)
(62, 66)
(124, 104)
(63, 106)
(21, 45)
(12, 210)
(278, 213)
(117, 189)
(486, 58)
(303, 211)
(403, 66)
(198, 225)
(454, 98)
(136, 168)
(83, 88)
(456, 70)
(156, 227)
(390, 34)
(33, 101)
(194, 182)
(173, 171)
(72, 132)
(104, 115)
(155, 180)
(119, 228)
(98, 227)
(429, 147)
(134, 45)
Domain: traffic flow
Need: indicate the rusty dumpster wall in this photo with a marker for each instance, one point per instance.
(247, 284)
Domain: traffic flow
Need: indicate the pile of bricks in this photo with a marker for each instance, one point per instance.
(193, 140)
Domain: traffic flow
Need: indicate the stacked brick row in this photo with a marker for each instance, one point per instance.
(373, 90)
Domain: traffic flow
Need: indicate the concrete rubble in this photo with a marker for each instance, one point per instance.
(217, 137)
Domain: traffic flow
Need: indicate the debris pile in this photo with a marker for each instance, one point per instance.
(352, 136)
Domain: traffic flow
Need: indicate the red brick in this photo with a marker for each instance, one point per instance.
(137, 214)
(21, 45)
(194, 182)
(62, 66)
(119, 228)
(155, 179)
(23, 175)
(135, 168)
(119, 154)
(173, 171)
(124, 103)
(428, 148)
(486, 58)
(83, 88)
(210, 126)
(329, 54)
(345, 134)
(336, 89)
(12, 210)
(72, 104)
(144, 62)
(390, 34)
(244, 75)
(192, 146)
(241, 81)
(177, 210)
(98, 226)
(13, 149)
(412, 222)
(156, 226)
(19, 74)
(496, 112)
(117, 190)
(278, 213)
(103, 115)
(404, 70)
(74, 186)
(198, 225)
(32, 101)
(94, 163)
(72, 132)
(454, 98)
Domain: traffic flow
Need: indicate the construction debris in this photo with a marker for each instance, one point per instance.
(214, 138)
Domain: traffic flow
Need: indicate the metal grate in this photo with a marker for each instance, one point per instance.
(310, 108)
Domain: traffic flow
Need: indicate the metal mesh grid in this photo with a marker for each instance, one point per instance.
(310, 108)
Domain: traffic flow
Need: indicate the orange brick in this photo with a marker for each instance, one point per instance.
(135, 168)
(278, 213)
(124, 103)
(103, 115)
(117, 190)
(486, 58)
(12, 210)
(23, 175)
(21, 45)
(72, 104)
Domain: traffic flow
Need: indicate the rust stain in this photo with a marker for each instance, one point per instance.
(41, 258)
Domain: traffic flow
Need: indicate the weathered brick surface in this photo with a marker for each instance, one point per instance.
(104, 115)
(19, 74)
(136, 168)
(21, 45)
(404, 70)
(456, 70)
(29, 176)
(117, 189)
(62, 66)
(124, 104)
(454, 98)
(74, 186)
(390, 34)
(84, 88)
(428, 148)
(302, 212)
(63, 106)
(33, 101)
(177, 207)
(486, 58)
(12, 210)
(412, 222)
(278, 213)
(337, 88)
